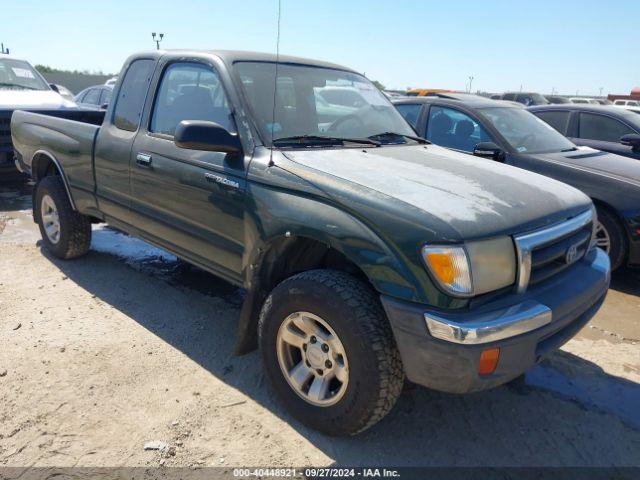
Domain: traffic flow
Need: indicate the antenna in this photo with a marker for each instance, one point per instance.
(275, 81)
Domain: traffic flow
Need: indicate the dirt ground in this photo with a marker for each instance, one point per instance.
(126, 345)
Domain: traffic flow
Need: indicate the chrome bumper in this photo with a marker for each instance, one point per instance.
(491, 326)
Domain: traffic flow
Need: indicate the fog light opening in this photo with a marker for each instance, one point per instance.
(488, 361)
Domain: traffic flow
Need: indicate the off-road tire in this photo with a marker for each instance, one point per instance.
(354, 312)
(618, 241)
(75, 228)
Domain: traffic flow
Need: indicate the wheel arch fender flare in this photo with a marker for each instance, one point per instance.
(271, 243)
(39, 167)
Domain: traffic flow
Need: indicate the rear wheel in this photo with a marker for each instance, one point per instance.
(65, 232)
(610, 238)
(329, 352)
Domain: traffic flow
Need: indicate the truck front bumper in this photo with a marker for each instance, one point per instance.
(441, 350)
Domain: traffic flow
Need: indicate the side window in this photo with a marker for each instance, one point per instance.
(410, 112)
(557, 119)
(524, 99)
(599, 127)
(106, 96)
(80, 97)
(189, 91)
(453, 129)
(509, 96)
(92, 97)
(131, 95)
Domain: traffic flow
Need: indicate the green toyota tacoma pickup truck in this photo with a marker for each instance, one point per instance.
(368, 255)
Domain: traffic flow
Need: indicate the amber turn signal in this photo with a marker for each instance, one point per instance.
(488, 361)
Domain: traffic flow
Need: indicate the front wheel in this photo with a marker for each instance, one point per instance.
(65, 232)
(610, 237)
(329, 352)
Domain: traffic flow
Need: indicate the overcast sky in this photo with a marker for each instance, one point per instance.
(566, 45)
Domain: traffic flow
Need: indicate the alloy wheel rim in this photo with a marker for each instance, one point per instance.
(603, 240)
(50, 219)
(312, 359)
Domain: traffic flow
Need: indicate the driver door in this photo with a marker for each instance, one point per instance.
(188, 200)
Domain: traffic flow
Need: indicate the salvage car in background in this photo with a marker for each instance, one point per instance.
(22, 88)
(495, 130)
(556, 99)
(606, 128)
(96, 97)
(366, 253)
(63, 91)
(525, 98)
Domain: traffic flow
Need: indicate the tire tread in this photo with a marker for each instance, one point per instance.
(78, 236)
(375, 330)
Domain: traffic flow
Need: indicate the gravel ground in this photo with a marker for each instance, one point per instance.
(125, 346)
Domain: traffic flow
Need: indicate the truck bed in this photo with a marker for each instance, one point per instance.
(6, 147)
(66, 136)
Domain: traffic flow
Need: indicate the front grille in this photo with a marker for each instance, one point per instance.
(547, 252)
(550, 259)
(6, 148)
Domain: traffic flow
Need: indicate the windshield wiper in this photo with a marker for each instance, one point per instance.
(572, 149)
(309, 140)
(395, 134)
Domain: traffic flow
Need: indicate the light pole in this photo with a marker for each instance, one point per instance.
(601, 88)
(3, 50)
(470, 82)
(157, 40)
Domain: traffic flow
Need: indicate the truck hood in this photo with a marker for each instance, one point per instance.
(33, 100)
(597, 162)
(474, 196)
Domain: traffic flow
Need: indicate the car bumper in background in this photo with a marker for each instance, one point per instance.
(442, 350)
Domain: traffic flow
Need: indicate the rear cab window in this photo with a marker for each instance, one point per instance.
(132, 94)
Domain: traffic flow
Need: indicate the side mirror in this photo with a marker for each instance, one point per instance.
(488, 150)
(208, 136)
(54, 87)
(631, 140)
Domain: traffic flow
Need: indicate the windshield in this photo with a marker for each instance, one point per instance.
(19, 75)
(525, 132)
(318, 104)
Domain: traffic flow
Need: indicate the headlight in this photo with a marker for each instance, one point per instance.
(450, 266)
(473, 268)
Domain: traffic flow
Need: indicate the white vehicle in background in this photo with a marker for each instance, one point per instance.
(111, 82)
(64, 91)
(584, 100)
(22, 87)
(627, 103)
(633, 105)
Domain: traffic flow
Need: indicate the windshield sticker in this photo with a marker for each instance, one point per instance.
(22, 72)
(522, 149)
(370, 93)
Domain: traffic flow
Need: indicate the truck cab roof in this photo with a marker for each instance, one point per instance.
(231, 56)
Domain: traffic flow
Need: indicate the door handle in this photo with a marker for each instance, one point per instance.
(143, 159)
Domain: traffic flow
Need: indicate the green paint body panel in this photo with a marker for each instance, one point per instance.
(224, 227)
